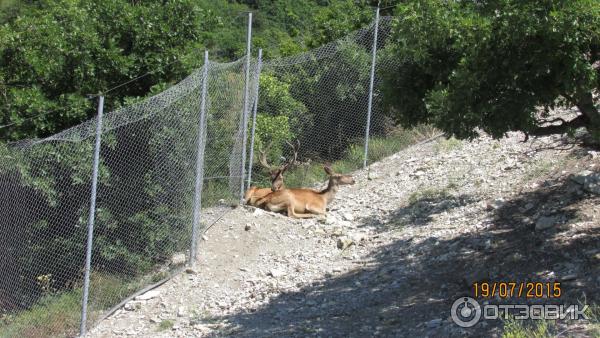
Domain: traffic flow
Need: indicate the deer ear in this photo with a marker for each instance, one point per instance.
(328, 170)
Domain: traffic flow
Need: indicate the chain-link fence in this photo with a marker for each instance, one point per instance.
(167, 159)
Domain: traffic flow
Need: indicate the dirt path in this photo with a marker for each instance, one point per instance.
(428, 222)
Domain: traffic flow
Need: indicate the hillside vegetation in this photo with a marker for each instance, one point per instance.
(463, 67)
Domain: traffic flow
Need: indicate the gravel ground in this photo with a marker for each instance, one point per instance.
(395, 250)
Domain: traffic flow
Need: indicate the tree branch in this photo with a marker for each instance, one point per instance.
(558, 119)
(579, 121)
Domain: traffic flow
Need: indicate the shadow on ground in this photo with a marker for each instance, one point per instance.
(422, 209)
(408, 285)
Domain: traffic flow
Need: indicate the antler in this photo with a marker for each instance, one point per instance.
(262, 158)
(295, 157)
(328, 170)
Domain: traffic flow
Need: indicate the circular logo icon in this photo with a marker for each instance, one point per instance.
(465, 312)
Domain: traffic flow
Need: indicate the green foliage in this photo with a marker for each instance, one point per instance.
(329, 125)
(466, 65)
(429, 194)
(273, 130)
(522, 329)
(165, 325)
(275, 97)
(339, 18)
(83, 47)
(278, 115)
(447, 145)
(56, 315)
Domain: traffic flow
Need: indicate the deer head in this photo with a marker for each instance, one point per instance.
(276, 172)
(336, 179)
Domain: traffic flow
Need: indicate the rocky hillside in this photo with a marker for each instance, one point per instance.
(395, 250)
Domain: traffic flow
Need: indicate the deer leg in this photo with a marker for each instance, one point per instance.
(293, 214)
(260, 202)
(275, 207)
(318, 211)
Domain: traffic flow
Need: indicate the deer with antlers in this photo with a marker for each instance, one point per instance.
(305, 203)
(254, 193)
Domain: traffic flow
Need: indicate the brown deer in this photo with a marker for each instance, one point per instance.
(255, 193)
(305, 203)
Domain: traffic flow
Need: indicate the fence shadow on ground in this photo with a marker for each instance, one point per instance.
(406, 288)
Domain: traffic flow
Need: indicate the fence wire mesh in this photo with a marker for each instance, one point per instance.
(148, 170)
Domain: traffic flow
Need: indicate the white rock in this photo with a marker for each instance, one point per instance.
(131, 306)
(276, 273)
(348, 217)
(178, 259)
(344, 242)
(148, 295)
(357, 237)
(496, 204)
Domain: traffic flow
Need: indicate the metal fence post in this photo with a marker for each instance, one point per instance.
(245, 112)
(199, 163)
(91, 218)
(370, 107)
(254, 108)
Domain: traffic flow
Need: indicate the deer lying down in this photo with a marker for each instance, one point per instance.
(254, 193)
(305, 203)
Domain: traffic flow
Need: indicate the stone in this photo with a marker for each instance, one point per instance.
(337, 231)
(132, 306)
(148, 295)
(247, 227)
(258, 212)
(569, 277)
(581, 176)
(545, 222)
(178, 259)
(496, 204)
(589, 180)
(348, 217)
(276, 273)
(344, 242)
(358, 237)
(319, 230)
(527, 207)
(434, 323)
(181, 312)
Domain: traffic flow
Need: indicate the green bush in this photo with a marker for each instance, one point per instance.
(462, 65)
